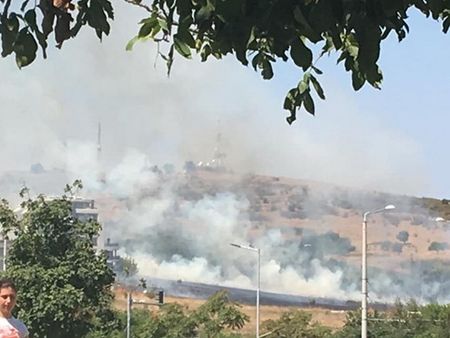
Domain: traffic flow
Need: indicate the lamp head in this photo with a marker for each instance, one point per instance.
(389, 207)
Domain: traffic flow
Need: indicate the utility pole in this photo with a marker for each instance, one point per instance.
(129, 300)
(364, 278)
(364, 267)
(258, 279)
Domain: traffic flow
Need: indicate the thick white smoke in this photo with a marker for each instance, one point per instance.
(50, 113)
(174, 230)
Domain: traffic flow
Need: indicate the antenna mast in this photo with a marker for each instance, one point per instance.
(99, 142)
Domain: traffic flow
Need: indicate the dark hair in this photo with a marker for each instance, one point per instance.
(7, 283)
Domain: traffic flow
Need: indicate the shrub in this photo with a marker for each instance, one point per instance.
(438, 246)
(403, 236)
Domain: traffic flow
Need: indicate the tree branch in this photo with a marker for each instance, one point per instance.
(136, 3)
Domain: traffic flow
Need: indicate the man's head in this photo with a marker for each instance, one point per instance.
(7, 297)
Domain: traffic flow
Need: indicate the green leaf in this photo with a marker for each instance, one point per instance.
(358, 79)
(267, 71)
(344, 55)
(147, 28)
(205, 52)
(328, 46)
(96, 17)
(446, 24)
(186, 36)
(181, 47)
(9, 32)
(251, 38)
(307, 29)
(62, 28)
(257, 59)
(131, 43)
(30, 18)
(336, 39)
(317, 70)
(300, 54)
(163, 25)
(369, 50)
(291, 99)
(317, 87)
(12, 23)
(290, 119)
(229, 10)
(205, 12)
(352, 46)
(374, 76)
(25, 48)
(24, 5)
(308, 102)
(107, 7)
(169, 59)
(303, 86)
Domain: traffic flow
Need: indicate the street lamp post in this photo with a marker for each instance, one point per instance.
(129, 301)
(258, 278)
(364, 268)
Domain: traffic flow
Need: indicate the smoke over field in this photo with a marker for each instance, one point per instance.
(178, 223)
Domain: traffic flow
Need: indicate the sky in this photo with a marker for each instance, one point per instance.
(392, 140)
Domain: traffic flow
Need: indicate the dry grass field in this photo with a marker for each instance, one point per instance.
(330, 318)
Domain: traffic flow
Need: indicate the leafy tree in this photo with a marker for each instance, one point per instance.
(352, 327)
(64, 284)
(295, 324)
(403, 236)
(126, 266)
(405, 321)
(172, 321)
(259, 32)
(218, 317)
(217, 314)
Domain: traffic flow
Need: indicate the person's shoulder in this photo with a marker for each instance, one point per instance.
(6, 321)
(19, 325)
(16, 320)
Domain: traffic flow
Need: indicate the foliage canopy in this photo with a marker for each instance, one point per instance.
(258, 32)
(218, 317)
(403, 236)
(64, 285)
(294, 324)
(408, 320)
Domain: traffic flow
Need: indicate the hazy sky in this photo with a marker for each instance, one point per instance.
(394, 139)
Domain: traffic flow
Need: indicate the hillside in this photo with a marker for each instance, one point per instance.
(179, 227)
(296, 207)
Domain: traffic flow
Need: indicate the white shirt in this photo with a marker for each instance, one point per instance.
(12, 328)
